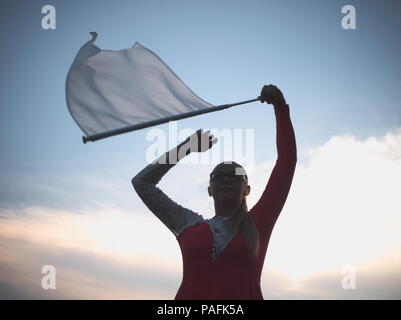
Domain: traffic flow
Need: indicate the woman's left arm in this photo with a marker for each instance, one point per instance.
(269, 206)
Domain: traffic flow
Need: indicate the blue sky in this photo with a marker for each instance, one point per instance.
(337, 82)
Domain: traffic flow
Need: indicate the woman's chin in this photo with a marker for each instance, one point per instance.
(228, 195)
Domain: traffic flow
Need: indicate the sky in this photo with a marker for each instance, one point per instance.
(72, 206)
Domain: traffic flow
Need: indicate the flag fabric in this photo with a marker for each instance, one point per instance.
(113, 89)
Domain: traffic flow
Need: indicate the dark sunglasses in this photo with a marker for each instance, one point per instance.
(231, 177)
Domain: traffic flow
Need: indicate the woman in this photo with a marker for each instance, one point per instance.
(223, 256)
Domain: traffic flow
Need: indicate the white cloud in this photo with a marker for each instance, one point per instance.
(102, 254)
(344, 206)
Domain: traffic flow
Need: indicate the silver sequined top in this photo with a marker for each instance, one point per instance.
(173, 215)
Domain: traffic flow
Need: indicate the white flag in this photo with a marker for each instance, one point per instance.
(108, 90)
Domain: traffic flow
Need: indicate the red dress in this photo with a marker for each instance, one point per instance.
(217, 266)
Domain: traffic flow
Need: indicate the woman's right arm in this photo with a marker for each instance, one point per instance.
(173, 215)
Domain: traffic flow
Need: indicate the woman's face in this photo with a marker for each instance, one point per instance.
(227, 182)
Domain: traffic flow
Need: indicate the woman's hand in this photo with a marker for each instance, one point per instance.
(272, 95)
(197, 142)
(200, 141)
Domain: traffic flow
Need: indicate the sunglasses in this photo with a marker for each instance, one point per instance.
(231, 177)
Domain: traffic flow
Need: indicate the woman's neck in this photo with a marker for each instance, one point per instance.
(225, 209)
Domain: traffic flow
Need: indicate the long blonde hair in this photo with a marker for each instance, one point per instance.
(242, 221)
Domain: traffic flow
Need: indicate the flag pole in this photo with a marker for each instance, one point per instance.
(115, 132)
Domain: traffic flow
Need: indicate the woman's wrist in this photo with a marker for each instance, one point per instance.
(183, 149)
(280, 105)
(177, 153)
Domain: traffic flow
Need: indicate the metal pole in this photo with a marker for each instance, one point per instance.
(160, 121)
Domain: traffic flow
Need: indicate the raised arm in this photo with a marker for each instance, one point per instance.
(269, 206)
(173, 215)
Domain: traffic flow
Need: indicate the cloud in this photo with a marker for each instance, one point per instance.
(378, 279)
(67, 190)
(343, 209)
(85, 267)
